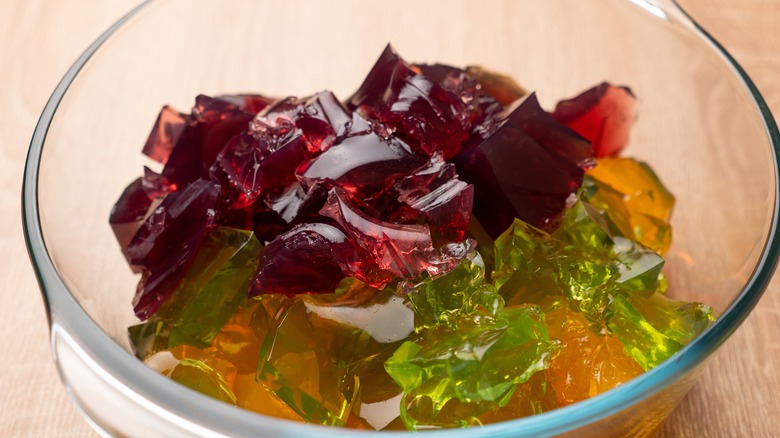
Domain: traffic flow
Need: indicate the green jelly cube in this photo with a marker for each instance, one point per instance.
(602, 241)
(462, 291)
(655, 328)
(474, 366)
(534, 267)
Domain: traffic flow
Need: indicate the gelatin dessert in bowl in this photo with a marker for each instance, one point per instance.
(702, 127)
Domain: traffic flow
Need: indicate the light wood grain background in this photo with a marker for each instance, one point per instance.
(736, 396)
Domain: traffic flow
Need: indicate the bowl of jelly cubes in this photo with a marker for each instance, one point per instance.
(433, 218)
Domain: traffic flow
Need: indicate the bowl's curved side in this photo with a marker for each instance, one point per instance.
(121, 396)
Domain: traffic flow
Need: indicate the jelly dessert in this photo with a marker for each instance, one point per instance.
(435, 251)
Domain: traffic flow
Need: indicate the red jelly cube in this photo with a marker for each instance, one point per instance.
(309, 258)
(212, 123)
(436, 192)
(603, 114)
(164, 246)
(318, 119)
(129, 212)
(402, 251)
(516, 174)
(529, 116)
(296, 205)
(281, 137)
(418, 108)
(165, 133)
(363, 163)
(133, 205)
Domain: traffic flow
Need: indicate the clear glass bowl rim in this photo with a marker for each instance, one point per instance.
(142, 383)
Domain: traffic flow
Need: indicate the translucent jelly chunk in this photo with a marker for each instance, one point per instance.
(211, 124)
(319, 352)
(129, 212)
(296, 205)
(310, 258)
(603, 114)
(294, 362)
(653, 329)
(320, 118)
(136, 204)
(436, 192)
(209, 294)
(461, 292)
(462, 85)
(165, 133)
(418, 108)
(631, 193)
(638, 267)
(282, 136)
(197, 375)
(532, 267)
(588, 363)
(401, 251)
(363, 163)
(451, 375)
(369, 326)
(514, 175)
(584, 271)
(181, 221)
(529, 116)
(240, 161)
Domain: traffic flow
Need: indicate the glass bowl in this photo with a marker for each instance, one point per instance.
(703, 126)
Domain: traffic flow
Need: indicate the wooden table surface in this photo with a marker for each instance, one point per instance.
(736, 395)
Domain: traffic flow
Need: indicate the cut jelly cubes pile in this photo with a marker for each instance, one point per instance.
(434, 251)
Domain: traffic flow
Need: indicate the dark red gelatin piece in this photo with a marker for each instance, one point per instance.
(280, 138)
(307, 259)
(603, 114)
(363, 163)
(483, 110)
(239, 162)
(230, 197)
(220, 134)
(529, 116)
(165, 133)
(419, 109)
(134, 204)
(318, 119)
(436, 191)
(167, 241)
(212, 123)
(296, 205)
(515, 175)
(129, 212)
(477, 103)
(400, 251)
